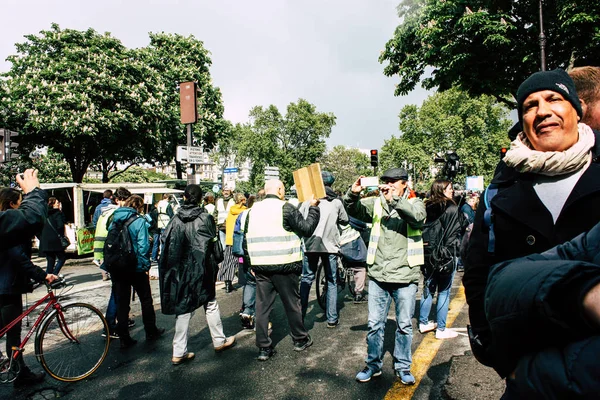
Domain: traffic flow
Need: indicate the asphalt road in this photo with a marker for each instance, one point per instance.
(324, 371)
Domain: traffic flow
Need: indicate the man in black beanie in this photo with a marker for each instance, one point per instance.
(547, 191)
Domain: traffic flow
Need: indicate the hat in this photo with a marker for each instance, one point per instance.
(328, 178)
(556, 80)
(395, 174)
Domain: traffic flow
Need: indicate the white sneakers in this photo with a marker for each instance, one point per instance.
(428, 327)
(445, 334)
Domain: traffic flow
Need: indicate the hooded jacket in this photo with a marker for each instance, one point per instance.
(326, 237)
(187, 266)
(55, 226)
(138, 230)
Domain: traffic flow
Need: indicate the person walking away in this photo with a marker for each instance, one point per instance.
(547, 193)
(272, 247)
(16, 271)
(441, 237)
(324, 245)
(230, 263)
(187, 274)
(122, 283)
(104, 203)
(50, 239)
(394, 255)
(354, 252)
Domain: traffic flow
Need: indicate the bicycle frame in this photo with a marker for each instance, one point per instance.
(53, 304)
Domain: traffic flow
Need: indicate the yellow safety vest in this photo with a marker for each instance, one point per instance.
(414, 251)
(268, 242)
(101, 232)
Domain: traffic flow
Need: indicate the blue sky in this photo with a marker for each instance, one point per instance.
(263, 52)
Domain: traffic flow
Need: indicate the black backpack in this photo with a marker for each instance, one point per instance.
(120, 259)
(437, 256)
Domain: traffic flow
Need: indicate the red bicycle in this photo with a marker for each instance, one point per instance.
(69, 341)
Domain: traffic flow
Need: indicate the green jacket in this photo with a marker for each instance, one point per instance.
(391, 262)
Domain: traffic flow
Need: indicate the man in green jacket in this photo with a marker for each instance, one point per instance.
(395, 254)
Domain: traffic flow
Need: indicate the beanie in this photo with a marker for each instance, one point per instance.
(327, 177)
(556, 80)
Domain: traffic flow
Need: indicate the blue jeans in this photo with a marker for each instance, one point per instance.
(309, 268)
(222, 238)
(443, 284)
(55, 261)
(380, 299)
(249, 296)
(156, 244)
(111, 312)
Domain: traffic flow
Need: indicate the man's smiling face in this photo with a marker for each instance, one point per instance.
(549, 121)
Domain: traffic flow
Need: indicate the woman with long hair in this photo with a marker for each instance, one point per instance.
(187, 274)
(230, 263)
(441, 238)
(16, 271)
(50, 240)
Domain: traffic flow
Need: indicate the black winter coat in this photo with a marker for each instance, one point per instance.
(453, 225)
(524, 226)
(539, 328)
(187, 266)
(20, 225)
(50, 239)
(16, 270)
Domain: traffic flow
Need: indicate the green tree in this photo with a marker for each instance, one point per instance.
(84, 95)
(346, 164)
(473, 127)
(488, 46)
(137, 174)
(289, 142)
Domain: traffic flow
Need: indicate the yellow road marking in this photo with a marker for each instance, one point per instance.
(426, 352)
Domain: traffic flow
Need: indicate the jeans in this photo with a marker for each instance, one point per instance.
(309, 268)
(182, 324)
(380, 298)
(156, 244)
(11, 307)
(111, 312)
(443, 284)
(222, 237)
(249, 296)
(54, 266)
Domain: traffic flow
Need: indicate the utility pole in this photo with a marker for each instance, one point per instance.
(542, 40)
(189, 115)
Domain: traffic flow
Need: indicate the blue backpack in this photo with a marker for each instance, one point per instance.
(238, 234)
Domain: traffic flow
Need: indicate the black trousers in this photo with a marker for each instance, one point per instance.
(11, 306)
(267, 287)
(122, 291)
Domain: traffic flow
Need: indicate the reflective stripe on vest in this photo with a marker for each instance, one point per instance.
(101, 233)
(268, 242)
(163, 217)
(414, 250)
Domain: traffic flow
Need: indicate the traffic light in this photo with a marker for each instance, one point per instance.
(503, 152)
(8, 149)
(452, 167)
(374, 158)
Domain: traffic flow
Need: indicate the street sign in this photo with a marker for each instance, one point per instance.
(271, 173)
(192, 155)
(230, 170)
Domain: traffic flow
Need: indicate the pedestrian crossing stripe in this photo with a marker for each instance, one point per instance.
(426, 352)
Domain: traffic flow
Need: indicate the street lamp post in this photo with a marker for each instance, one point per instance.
(542, 40)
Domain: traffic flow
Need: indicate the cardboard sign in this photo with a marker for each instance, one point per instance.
(308, 181)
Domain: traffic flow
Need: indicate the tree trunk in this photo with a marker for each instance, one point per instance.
(179, 170)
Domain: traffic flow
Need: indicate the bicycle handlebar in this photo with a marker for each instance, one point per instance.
(60, 282)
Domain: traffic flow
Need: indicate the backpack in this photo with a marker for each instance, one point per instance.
(238, 235)
(120, 259)
(437, 256)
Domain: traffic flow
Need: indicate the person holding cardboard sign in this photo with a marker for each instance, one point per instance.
(394, 255)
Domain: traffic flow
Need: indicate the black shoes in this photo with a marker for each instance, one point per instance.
(333, 324)
(156, 334)
(247, 321)
(303, 344)
(27, 377)
(229, 287)
(265, 353)
(360, 298)
(127, 342)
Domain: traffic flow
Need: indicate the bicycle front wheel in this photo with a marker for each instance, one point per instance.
(72, 342)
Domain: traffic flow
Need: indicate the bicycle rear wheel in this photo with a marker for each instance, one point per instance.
(70, 345)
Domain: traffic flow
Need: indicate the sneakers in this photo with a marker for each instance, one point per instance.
(333, 324)
(97, 263)
(428, 327)
(264, 353)
(303, 344)
(229, 342)
(112, 335)
(445, 334)
(26, 377)
(406, 377)
(360, 298)
(180, 360)
(130, 323)
(247, 321)
(366, 374)
(155, 335)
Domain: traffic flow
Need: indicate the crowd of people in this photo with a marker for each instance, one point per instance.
(528, 245)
